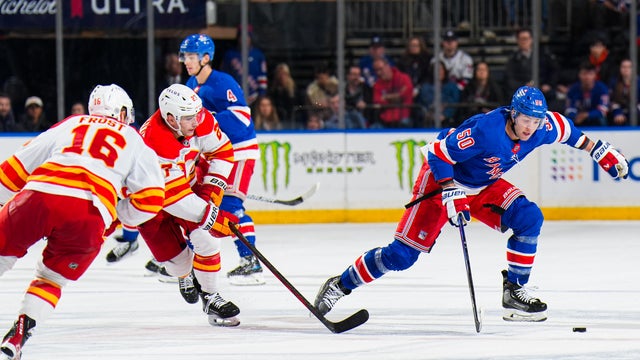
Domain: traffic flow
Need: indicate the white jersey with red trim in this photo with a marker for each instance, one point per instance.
(94, 158)
(178, 160)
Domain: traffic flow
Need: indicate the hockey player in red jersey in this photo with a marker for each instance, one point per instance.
(68, 180)
(462, 176)
(181, 236)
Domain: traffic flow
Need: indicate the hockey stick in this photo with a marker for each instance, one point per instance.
(423, 197)
(349, 323)
(476, 314)
(292, 202)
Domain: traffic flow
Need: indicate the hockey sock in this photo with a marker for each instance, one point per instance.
(521, 251)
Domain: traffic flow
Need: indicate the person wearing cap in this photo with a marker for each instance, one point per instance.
(377, 50)
(34, 118)
(7, 120)
(459, 64)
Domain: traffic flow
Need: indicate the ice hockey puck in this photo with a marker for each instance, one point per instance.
(579, 329)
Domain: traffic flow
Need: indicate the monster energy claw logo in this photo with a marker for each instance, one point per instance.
(277, 152)
(412, 154)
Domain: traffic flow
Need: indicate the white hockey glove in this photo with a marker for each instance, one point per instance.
(209, 217)
(455, 201)
(610, 160)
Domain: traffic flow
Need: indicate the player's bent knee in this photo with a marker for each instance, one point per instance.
(399, 256)
(524, 217)
(203, 243)
(181, 264)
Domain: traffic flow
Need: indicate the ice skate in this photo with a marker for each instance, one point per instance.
(248, 272)
(220, 311)
(189, 288)
(155, 268)
(519, 305)
(330, 292)
(121, 250)
(14, 340)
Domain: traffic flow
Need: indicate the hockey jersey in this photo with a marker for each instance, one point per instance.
(479, 151)
(178, 159)
(222, 95)
(94, 158)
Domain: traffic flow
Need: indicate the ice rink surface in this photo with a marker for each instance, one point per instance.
(587, 273)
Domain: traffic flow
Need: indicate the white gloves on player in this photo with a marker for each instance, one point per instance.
(456, 203)
(610, 160)
(209, 218)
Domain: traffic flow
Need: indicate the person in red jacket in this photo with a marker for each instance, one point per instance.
(393, 93)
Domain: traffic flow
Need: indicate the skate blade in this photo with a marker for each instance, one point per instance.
(167, 279)
(248, 280)
(7, 353)
(216, 320)
(521, 316)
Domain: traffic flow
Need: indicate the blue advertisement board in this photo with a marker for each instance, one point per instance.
(101, 14)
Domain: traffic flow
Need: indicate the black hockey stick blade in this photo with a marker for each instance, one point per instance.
(476, 314)
(293, 202)
(349, 323)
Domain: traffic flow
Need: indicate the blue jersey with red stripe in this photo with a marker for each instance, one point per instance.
(223, 96)
(479, 151)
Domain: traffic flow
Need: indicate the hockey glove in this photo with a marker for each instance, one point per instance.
(211, 189)
(221, 226)
(455, 201)
(209, 218)
(610, 160)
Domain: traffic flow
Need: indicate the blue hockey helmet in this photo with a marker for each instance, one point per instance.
(200, 44)
(529, 101)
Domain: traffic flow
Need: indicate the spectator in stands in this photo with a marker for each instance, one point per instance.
(352, 118)
(377, 50)
(459, 64)
(415, 63)
(483, 93)
(7, 121)
(601, 58)
(34, 118)
(264, 114)
(257, 63)
(77, 108)
(588, 98)
(321, 89)
(172, 73)
(284, 93)
(357, 96)
(450, 95)
(314, 121)
(621, 95)
(393, 93)
(519, 69)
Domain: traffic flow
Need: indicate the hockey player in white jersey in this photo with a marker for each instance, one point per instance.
(65, 185)
(185, 235)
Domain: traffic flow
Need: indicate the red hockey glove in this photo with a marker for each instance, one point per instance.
(211, 189)
(610, 160)
(221, 227)
(455, 201)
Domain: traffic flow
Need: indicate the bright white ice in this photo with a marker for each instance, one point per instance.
(587, 272)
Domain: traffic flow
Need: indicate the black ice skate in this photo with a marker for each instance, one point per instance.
(519, 305)
(13, 341)
(221, 312)
(330, 292)
(122, 250)
(249, 272)
(189, 288)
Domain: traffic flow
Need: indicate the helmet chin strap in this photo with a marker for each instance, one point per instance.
(201, 67)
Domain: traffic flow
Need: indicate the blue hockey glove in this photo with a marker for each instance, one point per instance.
(455, 201)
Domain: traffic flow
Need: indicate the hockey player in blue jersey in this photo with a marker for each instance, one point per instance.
(464, 171)
(223, 96)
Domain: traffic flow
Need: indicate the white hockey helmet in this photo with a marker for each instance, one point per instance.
(181, 102)
(111, 100)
